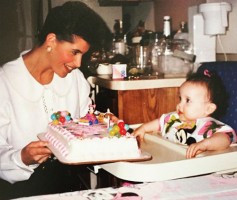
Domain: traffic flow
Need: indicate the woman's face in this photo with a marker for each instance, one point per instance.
(194, 102)
(66, 56)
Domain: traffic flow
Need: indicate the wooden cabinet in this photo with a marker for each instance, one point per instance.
(137, 105)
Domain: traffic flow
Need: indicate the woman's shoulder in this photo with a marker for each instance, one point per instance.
(12, 65)
(4, 94)
(15, 62)
(13, 71)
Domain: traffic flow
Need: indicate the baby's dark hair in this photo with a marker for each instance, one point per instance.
(216, 90)
(75, 18)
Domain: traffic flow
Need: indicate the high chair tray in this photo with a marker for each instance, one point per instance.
(169, 162)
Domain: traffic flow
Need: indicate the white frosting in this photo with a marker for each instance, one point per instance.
(91, 143)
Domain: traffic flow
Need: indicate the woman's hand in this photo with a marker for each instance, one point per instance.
(35, 152)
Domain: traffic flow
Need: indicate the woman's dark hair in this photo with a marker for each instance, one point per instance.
(76, 18)
(216, 90)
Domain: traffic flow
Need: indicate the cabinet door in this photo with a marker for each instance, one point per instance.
(138, 106)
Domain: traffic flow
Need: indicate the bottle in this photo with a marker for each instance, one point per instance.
(166, 42)
(183, 27)
(182, 33)
(144, 52)
(136, 37)
(119, 43)
(165, 58)
(118, 29)
(125, 44)
(155, 52)
(180, 41)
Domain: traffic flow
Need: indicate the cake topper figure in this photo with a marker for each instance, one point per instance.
(90, 117)
(92, 108)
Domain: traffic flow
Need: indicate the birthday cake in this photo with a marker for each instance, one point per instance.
(77, 143)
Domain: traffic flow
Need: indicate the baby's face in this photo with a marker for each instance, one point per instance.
(194, 101)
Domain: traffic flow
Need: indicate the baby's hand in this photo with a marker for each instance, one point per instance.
(197, 148)
(139, 133)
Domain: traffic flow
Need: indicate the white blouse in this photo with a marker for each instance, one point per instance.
(25, 110)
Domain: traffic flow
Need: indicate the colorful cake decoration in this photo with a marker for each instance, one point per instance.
(90, 118)
(61, 117)
(115, 126)
(119, 129)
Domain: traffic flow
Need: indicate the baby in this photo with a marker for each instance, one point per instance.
(202, 99)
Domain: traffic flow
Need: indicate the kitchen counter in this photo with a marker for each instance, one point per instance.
(147, 83)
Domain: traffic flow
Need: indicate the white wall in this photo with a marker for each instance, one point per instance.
(144, 11)
(229, 41)
(18, 24)
(109, 14)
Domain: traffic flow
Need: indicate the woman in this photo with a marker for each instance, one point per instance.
(41, 81)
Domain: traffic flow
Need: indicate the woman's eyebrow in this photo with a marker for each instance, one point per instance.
(77, 50)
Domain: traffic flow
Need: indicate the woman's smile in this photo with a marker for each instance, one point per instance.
(69, 67)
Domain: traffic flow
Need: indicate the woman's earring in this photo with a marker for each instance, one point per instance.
(49, 49)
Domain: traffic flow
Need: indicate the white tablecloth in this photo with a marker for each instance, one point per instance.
(196, 188)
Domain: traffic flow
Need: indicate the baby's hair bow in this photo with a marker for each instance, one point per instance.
(207, 73)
